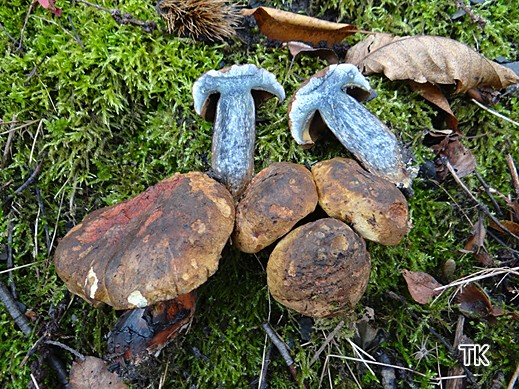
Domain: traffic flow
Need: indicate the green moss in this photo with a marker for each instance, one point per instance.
(116, 116)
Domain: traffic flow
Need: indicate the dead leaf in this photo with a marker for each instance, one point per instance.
(287, 26)
(475, 244)
(421, 286)
(458, 155)
(513, 227)
(433, 94)
(473, 301)
(297, 48)
(49, 4)
(434, 59)
(92, 373)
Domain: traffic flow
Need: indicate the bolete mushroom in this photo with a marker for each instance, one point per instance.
(320, 269)
(275, 200)
(228, 97)
(163, 243)
(324, 98)
(375, 208)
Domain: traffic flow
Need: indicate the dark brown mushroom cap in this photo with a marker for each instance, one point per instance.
(374, 207)
(160, 244)
(275, 200)
(320, 269)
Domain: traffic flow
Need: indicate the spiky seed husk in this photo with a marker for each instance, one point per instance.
(200, 19)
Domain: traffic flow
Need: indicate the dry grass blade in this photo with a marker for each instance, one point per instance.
(480, 275)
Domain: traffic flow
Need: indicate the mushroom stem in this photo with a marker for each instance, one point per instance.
(232, 154)
(364, 135)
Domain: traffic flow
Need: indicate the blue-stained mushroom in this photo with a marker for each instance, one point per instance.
(228, 98)
(325, 99)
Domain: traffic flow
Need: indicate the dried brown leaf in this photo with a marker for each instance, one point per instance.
(287, 26)
(434, 59)
(513, 227)
(328, 55)
(458, 155)
(473, 301)
(421, 286)
(92, 373)
(477, 237)
(433, 94)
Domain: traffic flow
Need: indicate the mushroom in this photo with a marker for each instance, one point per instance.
(163, 243)
(275, 200)
(361, 132)
(375, 208)
(320, 269)
(228, 97)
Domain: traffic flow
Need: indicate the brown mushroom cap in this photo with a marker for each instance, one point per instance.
(320, 269)
(375, 208)
(160, 244)
(276, 199)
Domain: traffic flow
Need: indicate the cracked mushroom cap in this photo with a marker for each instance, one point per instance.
(375, 208)
(162, 243)
(320, 269)
(275, 200)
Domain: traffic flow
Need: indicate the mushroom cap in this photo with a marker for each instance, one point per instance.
(234, 79)
(320, 269)
(160, 244)
(375, 208)
(275, 200)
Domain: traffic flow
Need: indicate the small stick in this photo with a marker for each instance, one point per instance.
(12, 307)
(497, 208)
(475, 18)
(69, 18)
(7, 148)
(495, 113)
(65, 347)
(513, 173)
(9, 261)
(481, 206)
(283, 350)
(44, 218)
(7, 33)
(20, 45)
(326, 342)
(262, 382)
(32, 73)
(511, 384)
(123, 18)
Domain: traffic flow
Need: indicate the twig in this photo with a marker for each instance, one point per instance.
(69, 18)
(65, 347)
(29, 181)
(513, 173)
(475, 18)
(495, 113)
(10, 258)
(262, 382)
(497, 208)
(511, 384)
(20, 41)
(7, 148)
(7, 33)
(12, 307)
(326, 342)
(283, 350)
(481, 206)
(124, 18)
(32, 73)
(44, 218)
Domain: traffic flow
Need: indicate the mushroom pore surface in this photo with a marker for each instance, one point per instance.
(320, 269)
(275, 200)
(162, 243)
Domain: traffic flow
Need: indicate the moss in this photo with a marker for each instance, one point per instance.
(116, 116)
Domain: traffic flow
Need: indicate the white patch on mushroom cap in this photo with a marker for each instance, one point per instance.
(136, 298)
(92, 283)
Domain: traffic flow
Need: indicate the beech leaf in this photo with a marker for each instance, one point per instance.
(287, 26)
(297, 48)
(434, 59)
(421, 286)
(93, 373)
(458, 155)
